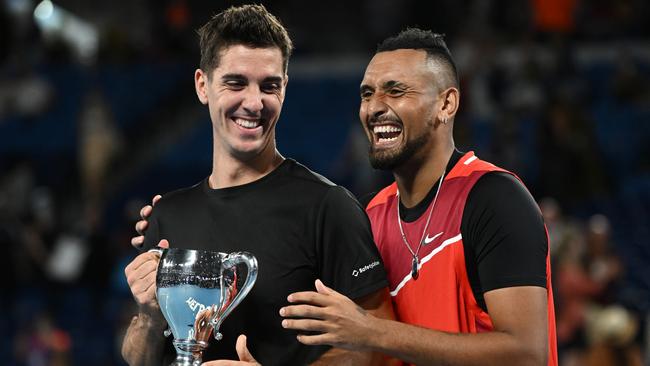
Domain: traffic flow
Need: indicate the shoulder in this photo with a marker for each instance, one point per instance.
(367, 198)
(305, 176)
(382, 197)
(500, 190)
(301, 184)
(500, 206)
(339, 196)
(307, 184)
(180, 198)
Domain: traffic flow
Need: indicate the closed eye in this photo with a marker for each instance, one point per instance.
(366, 92)
(271, 87)
(395, 91)
(235, 84)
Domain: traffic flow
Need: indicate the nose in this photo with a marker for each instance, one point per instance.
(252, 102)
(375, 109)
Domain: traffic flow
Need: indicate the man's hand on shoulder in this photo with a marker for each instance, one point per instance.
(141, 226)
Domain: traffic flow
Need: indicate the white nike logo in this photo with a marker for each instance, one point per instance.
(428, 240)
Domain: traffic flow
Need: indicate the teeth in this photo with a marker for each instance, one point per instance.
(385, 129)
(381, 139)
(247, 123)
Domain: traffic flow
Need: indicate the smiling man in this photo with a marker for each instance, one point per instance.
(462, 240)
(299, 225)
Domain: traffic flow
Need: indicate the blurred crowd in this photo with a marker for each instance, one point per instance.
(554, 90)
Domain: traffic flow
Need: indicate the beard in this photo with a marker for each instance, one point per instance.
(389, 160)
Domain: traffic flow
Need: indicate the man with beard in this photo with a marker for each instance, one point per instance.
(463, 242)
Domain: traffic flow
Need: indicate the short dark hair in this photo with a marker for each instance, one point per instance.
(419, 39)
(249, 25)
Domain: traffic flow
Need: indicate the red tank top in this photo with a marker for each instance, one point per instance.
(441, 298)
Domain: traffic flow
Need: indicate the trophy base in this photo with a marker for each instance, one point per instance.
(189, 352)
(186, 361)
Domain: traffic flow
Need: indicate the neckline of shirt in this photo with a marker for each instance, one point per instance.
(412, 214)
(228, 191)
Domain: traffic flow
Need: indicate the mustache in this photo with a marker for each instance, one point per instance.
(384, 118)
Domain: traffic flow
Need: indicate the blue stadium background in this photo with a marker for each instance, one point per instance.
(556, 91)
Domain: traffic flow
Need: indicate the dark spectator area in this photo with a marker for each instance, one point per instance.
(98, 114)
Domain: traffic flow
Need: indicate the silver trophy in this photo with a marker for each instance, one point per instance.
(196, 290)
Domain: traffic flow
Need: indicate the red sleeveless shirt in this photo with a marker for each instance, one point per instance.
(441, 298)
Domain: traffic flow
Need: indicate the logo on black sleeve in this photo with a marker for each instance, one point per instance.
(360, 270)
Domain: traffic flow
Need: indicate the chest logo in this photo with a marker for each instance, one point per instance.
(428, 240)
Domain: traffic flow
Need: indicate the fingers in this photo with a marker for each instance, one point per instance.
(303, 311)
(242, 350)
(227, 363)
(309, 325)
(245, 357)
(141, 277)
(145, 211)
(142, 259)
(144, 290)
(149, 282)
(316, 340)
(310, 297)
(323, 296)
(322, 289)
(141, 226)
(137, 241)
(156, 199)
(240, 344)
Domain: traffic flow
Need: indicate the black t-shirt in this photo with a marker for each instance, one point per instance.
(299, 226)
(503, 233)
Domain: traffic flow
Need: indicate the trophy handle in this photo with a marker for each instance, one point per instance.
(230, 295)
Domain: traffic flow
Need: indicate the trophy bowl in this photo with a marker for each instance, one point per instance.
(196, 290)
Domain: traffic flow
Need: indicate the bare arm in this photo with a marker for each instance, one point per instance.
(519, 316)
(144, 341)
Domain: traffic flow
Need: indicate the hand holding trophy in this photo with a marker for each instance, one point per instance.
(196, 290)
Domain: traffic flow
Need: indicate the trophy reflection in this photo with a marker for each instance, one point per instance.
(196, 290)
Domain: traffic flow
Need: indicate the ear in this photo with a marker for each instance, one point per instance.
(201, 84)
(450, 99)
